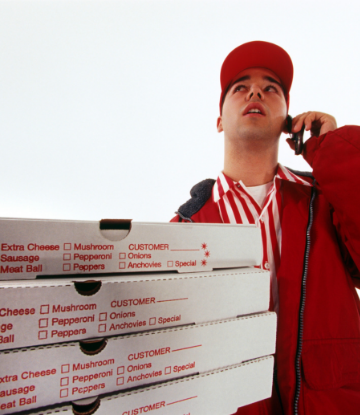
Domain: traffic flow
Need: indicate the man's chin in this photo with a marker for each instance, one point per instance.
(253, 133)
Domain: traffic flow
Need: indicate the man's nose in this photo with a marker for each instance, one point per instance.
(255, 92)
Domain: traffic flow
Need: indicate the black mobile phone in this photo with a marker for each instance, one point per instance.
(297, 138)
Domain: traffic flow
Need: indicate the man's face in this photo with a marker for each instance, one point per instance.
(254, 106)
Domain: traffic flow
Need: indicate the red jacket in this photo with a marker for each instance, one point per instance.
(318, 338)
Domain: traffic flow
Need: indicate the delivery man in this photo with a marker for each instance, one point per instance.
(310, 225)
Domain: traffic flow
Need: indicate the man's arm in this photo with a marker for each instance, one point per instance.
(318, 123)
(334, 155)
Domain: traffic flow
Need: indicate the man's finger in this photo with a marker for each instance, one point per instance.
(298, 122)
(291, 143)
(310, 118)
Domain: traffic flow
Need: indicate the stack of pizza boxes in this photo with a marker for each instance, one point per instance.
(124, 318)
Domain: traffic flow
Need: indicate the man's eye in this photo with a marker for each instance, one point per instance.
(239, 88)
(271, 88)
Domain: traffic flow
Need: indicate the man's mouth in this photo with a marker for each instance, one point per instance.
(254, 109)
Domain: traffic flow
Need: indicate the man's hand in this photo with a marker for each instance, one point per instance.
(317, 122)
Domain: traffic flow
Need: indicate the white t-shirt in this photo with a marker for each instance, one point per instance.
(259, 193)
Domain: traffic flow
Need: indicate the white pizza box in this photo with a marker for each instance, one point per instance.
(219, 392)
(35, 312)
(32, 247)
(70, 371)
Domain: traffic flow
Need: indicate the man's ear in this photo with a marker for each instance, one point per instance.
(219, 124)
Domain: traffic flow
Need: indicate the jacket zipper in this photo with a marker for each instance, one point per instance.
(302, 302)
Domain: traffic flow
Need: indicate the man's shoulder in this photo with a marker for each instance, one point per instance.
(200, 194)
(200, 207)
(302, 174)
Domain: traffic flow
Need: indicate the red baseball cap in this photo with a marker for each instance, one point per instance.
(257, 54)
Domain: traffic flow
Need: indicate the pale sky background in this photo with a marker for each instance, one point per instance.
(108, 108)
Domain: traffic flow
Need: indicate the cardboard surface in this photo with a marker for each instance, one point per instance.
(31, 247)
(36, 312)
(62, 373)
(218, 392)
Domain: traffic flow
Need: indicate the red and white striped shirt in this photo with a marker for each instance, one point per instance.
(236, 205)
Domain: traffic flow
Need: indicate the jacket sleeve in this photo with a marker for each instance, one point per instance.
(176, 219)
(335, 158)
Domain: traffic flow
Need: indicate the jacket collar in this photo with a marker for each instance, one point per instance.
(223, 183)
